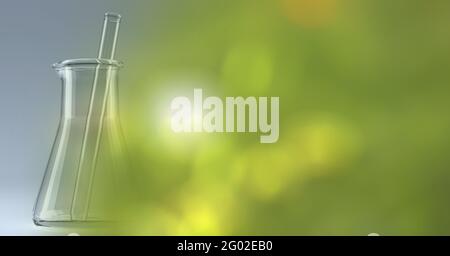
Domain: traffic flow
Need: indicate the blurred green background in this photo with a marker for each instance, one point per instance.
(364, 125)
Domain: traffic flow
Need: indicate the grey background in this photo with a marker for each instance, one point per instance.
(34, 35)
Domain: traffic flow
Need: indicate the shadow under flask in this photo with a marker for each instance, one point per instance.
(85, 170)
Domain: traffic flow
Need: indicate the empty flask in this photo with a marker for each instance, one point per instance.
(86, 168)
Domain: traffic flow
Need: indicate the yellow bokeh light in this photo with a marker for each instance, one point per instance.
(325, 143)
(309, 13)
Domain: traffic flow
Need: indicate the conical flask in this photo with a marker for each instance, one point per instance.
(85, 170)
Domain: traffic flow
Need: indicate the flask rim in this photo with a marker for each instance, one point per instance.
(87, 62)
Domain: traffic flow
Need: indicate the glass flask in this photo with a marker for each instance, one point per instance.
(83, 175)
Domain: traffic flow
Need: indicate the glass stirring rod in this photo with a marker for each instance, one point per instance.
(94, 121)
(110, 32)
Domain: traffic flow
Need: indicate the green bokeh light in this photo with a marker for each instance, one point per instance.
(364, 100)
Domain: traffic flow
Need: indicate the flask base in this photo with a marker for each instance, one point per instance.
(72, 224)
